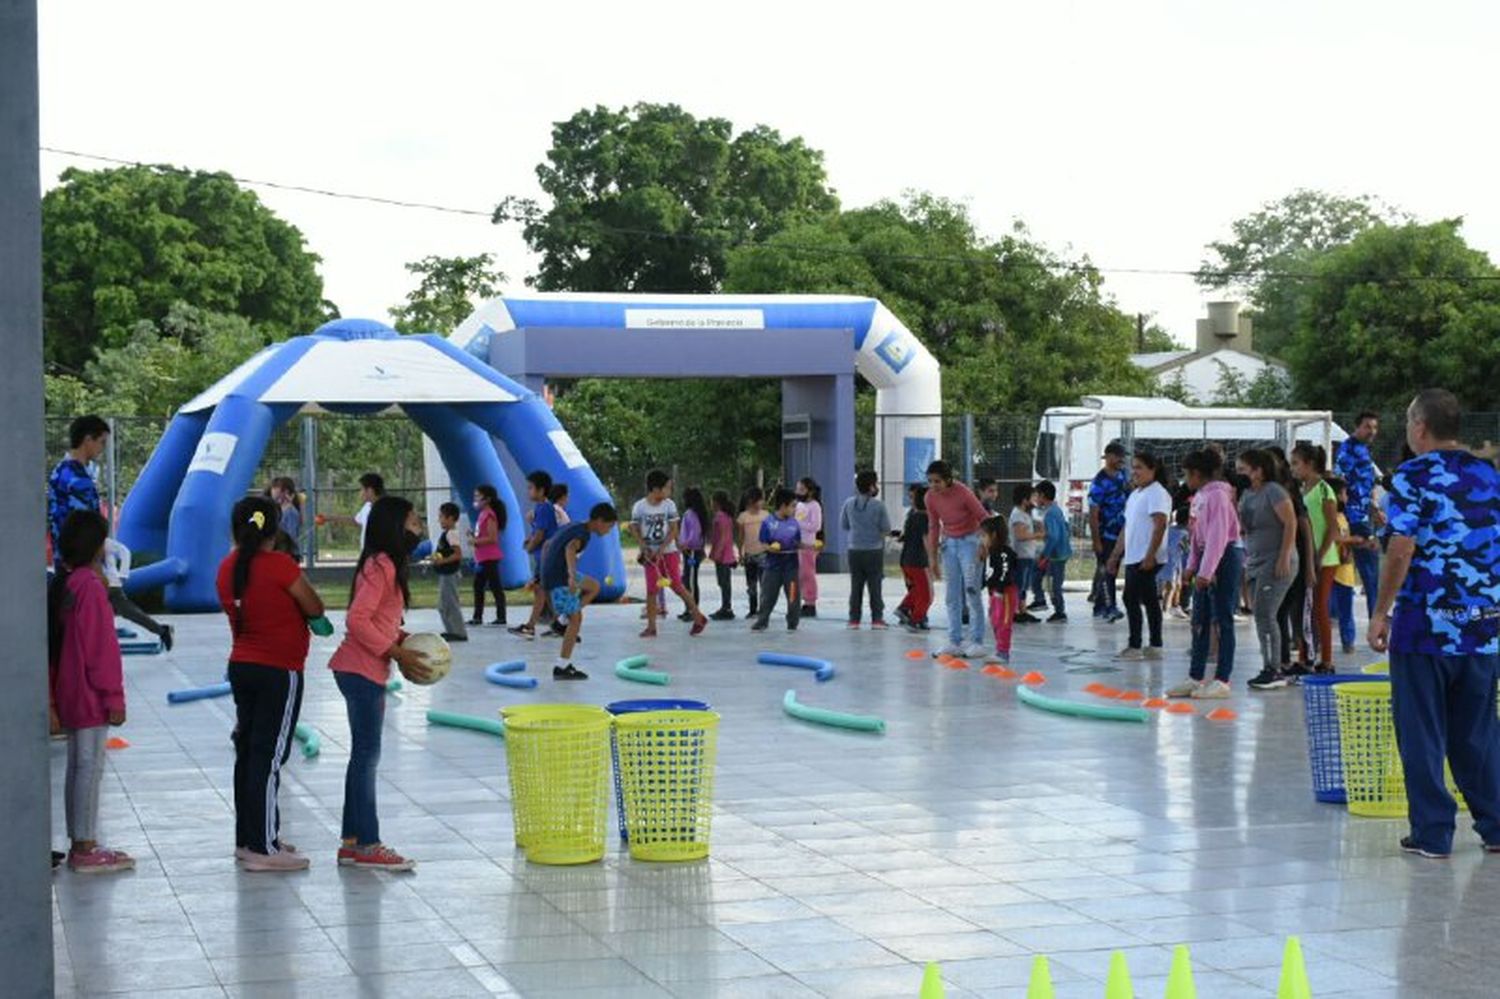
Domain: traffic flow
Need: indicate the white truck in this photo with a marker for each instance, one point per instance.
(1071, 439)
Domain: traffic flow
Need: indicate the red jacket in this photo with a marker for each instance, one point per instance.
(88, 677)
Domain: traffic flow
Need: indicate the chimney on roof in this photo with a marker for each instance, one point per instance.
(1224, 327)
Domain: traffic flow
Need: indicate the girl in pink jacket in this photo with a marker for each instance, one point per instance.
(1215, 563)
(361, 667)
(88, 682)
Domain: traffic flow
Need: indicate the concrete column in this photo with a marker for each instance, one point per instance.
(829, 401)
(26, 911)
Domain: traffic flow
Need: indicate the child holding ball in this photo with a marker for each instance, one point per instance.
(361, 667)
(569, 592)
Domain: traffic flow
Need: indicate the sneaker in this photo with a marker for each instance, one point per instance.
(758, 626)
(949, 651)
(557, 630)
(877, 625)
(913, 627)
(1152, 653)
(244, 852)
(1409, 845)
(903, 616)
(525, 631)
(167, 636)
(1348, 650)
(346, 855)
(1324, 669)
(499, 622)
(809, 610)
(1130, 654)
(1026, 617)
(1100, 612)
(57, 858)
(790, 626)
(1178, 613)
(998, 658)
(100, 861)
(1037, 605)
(1269, 679)
(685, 616)
(973, 650)
(568, 672)
(449, 636)
(1212, 690)
(1057, 617)
(1187, 688)
(1295, 672)
(648, 633)
(722, 615)
(274, 862)
(475, 622)
(699, 624)
(1114, 614)
(380, 858)
(853, 626)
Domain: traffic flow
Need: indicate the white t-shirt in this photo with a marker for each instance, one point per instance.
(1024, 549)
(362, 518)
(116, 563)
(1140, 506)
(653, 524)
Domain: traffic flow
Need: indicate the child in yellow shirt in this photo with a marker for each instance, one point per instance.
(1341, 600)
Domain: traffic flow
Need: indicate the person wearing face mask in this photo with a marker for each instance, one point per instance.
(71, 484)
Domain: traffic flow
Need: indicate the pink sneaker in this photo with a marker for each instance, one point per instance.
(244, 852)
(346, 855)
(381, 858)
(274, 862)
(699, 623)
(100, 861)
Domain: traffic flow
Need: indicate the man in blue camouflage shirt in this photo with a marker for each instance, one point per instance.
(71, 485)
(1357, 469)
(1439, 615)
(1106, 521)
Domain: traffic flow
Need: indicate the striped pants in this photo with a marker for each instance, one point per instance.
(267, 701)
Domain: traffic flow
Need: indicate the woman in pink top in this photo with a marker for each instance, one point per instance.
(362, 665)
(1215, 562)
(487, 554)
(88, 681)
(954, 514)
(809, 515)
(721, 551)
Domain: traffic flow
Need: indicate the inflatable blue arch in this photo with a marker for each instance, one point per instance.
(207, 460)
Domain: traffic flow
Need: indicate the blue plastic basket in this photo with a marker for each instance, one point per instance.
(671, 704)
(1322, 713)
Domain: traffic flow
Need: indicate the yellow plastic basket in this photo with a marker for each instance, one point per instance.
(667, 781)
(558, 757)
(508, 715)
(1373, 778)
(1381, 668)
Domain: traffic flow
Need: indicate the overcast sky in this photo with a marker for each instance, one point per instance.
(1132, 131)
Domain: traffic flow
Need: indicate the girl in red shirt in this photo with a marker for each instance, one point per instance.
(362, 665)
(268, 601)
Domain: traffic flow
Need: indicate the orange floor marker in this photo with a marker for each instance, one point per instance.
(1107, 691)
(1180, 708)
(1222, 714)
(1006, 673)
(1033, 679)
(117, 743)
(993, 669)
(1093, 688)
(1154, 702)
(1132, 695)
(956, 664)
(915, 654)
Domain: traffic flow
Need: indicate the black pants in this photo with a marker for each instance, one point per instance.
(774, 579)
(267, 702)
(692, 562)
(1289, 620)
(866, 569)
(754, 566)
(725, 573)
(487, 577)
(1141, 594)
(125, 607)
(1103, 595)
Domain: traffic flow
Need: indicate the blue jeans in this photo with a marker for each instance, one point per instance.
(365, 702)
(1025, 570)
(1057, 571)
(1445, 706)
(961, 573)
(1216, 606)
(1367, 564)
(1342, 605)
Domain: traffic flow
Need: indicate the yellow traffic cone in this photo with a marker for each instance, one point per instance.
(1294, 984)
(932, 982)
(1041, 980)
(1118, 986)
(1180, 979)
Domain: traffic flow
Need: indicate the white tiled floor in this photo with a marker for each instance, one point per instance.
(977, 832)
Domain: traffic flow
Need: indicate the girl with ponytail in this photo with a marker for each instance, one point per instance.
(268, 602)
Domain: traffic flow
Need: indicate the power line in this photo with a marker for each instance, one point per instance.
(1223, 277)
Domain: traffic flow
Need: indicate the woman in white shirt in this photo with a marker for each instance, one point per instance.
(1141, 548)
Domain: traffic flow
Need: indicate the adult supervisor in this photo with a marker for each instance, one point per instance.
(1439, 615)
(1357, 469)
(954, 514)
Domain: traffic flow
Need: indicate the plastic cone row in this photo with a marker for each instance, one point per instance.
(1180, 985)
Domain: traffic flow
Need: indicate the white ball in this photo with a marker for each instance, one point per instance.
(436, 653)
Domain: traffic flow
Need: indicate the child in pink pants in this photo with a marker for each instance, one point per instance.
(1000, 579)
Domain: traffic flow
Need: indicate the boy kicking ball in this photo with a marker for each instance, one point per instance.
(569, 592)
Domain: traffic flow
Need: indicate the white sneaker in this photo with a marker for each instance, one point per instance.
(1178, 613)
(1213, 690)
(1151, 652)
(973, 650)
(1187, 688)
(1130, 654)
(263, 862)
(956, 651)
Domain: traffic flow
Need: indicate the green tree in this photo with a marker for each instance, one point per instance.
(446, 295)
(1397, 309)
(1016, 326)
(651, 198)
(1274, 249)
(123, 245)
(1268, 389)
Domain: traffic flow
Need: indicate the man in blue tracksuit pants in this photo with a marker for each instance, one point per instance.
(1439, 614)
